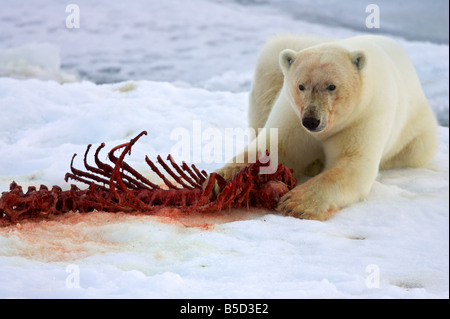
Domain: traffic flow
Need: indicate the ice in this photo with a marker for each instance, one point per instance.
(163, 66)
(40, 61)
(206, 44)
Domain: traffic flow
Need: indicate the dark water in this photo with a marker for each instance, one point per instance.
(411, 19)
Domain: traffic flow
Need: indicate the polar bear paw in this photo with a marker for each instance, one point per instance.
(305, 203)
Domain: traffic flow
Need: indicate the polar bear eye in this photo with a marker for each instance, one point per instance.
(331, 87)
(301, 87)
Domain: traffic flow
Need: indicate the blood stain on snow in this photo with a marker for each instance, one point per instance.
(73, 236)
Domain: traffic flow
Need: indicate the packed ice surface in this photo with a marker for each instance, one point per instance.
(186, 66)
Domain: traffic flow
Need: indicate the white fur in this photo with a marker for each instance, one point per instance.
(377, 118)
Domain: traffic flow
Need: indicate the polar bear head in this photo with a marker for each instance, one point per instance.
(323, 84)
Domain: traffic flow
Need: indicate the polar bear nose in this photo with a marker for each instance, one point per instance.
(311, 123)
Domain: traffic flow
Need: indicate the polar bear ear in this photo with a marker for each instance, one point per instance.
(358, 59)
(287, 58)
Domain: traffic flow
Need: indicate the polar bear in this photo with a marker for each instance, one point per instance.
(344, 109)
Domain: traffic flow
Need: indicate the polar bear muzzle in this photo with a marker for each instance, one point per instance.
(313, 120)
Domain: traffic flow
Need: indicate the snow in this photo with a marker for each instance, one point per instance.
(168, 67)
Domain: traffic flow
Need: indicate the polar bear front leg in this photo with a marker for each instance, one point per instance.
(251, 153)
(320, 197)
(230, 169)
